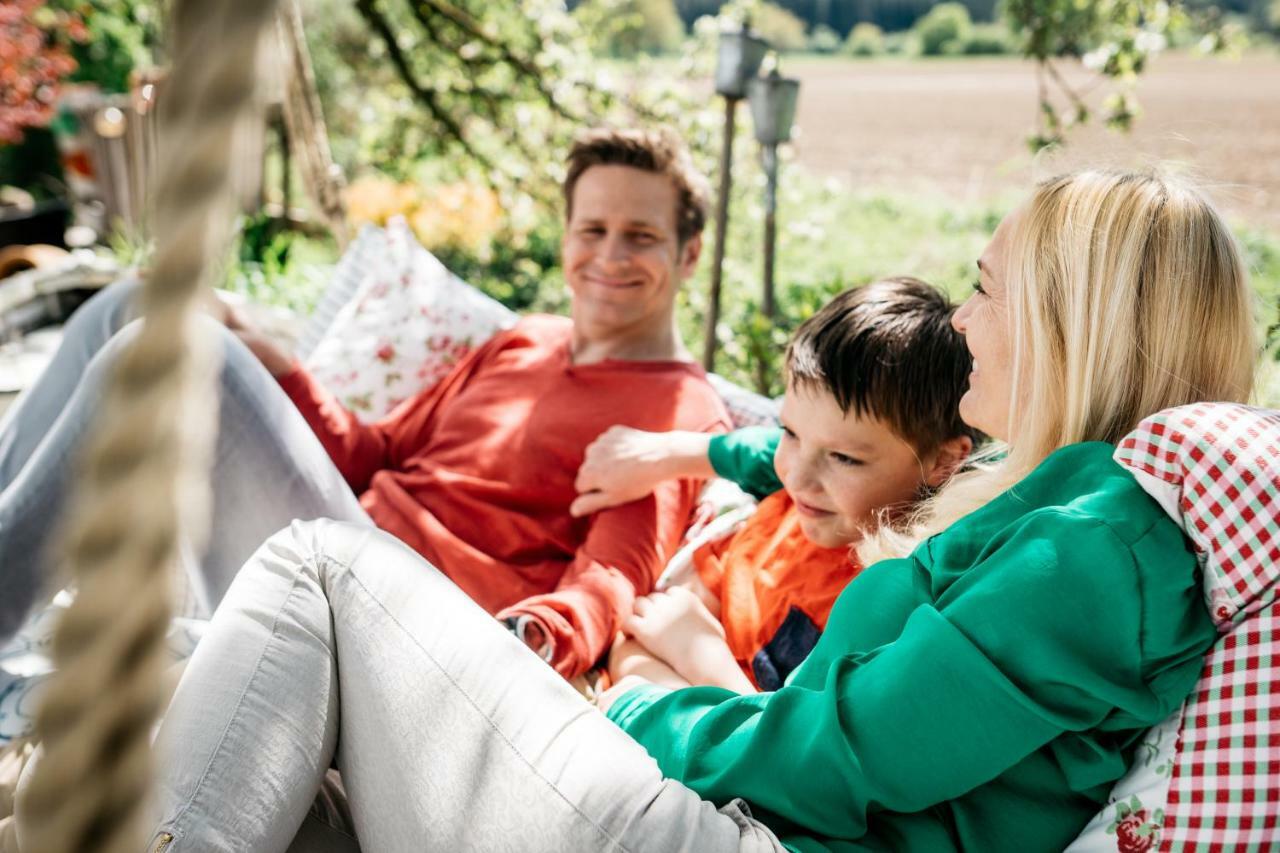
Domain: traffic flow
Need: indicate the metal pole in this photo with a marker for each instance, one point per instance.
(770, 155)
(722, 222)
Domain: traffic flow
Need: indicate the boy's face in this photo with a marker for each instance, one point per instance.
(841, 470)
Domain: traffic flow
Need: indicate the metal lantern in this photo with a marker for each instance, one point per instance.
(773, 109)
(737, 61)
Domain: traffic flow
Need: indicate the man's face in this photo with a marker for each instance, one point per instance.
(622, 259)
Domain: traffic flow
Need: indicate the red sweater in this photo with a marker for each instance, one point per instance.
(476, 474)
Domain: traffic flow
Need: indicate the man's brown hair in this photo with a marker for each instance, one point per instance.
(660, 151)
(888, 350)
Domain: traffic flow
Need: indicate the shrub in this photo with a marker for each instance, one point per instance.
(633, 27)
(783, 30)
(988, 40)
(865, 40)
(823, 39)
(944, 30)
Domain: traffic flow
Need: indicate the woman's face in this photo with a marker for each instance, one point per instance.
(984, 321)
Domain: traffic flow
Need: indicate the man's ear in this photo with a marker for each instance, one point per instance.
(689, 254)
(949, 456)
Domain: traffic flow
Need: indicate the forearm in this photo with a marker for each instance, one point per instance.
(628, 657)
(710, 663)
(684, 456)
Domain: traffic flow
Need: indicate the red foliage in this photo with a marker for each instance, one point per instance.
(33, 62)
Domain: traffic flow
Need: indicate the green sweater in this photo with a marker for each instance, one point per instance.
(983, 693)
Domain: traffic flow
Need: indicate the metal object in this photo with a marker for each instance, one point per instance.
(738, 59)
(773, 109)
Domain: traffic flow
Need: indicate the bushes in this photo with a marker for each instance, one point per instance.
(782, 29)
(945, 30)
(635, 26)
(865, 40)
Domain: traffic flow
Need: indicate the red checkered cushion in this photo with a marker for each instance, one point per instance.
(1221, 465)
(1215, 467)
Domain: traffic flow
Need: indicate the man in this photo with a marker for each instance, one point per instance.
(475, 473)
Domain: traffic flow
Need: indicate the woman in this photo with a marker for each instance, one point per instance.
(981, 688)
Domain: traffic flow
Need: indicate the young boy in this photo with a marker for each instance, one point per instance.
(869, 422)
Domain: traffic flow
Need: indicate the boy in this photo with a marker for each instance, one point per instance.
(869, 422)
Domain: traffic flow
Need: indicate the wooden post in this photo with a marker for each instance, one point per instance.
(722, 223)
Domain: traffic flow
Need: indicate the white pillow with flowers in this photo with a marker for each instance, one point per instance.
(406, 323)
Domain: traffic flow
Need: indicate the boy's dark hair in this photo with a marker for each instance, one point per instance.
(887, 349)
(660, 151)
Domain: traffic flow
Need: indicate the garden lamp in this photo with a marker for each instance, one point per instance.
(738, 58)
(773, 108)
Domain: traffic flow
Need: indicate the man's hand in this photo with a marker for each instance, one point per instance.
(277, 360)
(624, 465)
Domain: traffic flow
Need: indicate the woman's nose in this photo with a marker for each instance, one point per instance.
(960, 317)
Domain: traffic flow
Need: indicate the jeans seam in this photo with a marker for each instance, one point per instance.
(177, 823)
(474, 705)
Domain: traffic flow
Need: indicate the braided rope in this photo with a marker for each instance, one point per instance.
(145, 475)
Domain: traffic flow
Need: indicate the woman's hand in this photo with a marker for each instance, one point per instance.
(624, 465)
(606, 699)
(628, 657)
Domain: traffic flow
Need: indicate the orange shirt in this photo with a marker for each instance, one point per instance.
(476, 474)
(775, 587)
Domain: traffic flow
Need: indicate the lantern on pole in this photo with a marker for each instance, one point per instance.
(773, 109)
(737, 60)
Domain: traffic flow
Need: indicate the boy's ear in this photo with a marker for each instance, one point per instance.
(949, 456)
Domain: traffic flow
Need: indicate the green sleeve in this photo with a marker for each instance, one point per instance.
(745, 456)
(1045, 635)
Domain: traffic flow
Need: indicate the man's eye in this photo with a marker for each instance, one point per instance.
(977, 288)
(645, 239)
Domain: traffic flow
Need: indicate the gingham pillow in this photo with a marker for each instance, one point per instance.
(1208, 778)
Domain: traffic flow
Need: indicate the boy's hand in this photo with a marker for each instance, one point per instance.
(624, 465)
(677, 627)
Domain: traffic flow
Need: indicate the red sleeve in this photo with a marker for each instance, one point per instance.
(360, 450)
(624, 553)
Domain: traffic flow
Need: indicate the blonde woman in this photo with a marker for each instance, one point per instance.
(980, 688)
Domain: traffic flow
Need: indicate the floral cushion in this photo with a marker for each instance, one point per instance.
(1208, 777)
(403, 328)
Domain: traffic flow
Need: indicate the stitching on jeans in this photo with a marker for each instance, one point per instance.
(474, 705)
(179, 819)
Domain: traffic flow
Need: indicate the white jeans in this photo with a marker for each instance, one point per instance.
(338, 643)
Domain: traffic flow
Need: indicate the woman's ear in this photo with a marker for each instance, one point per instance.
(949, 456)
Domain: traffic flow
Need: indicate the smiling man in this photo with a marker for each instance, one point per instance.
(475, 473)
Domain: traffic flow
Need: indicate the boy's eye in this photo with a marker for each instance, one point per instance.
(843, 459)
(786, 431)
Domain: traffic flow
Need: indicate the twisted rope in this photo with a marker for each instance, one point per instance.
(144, 479)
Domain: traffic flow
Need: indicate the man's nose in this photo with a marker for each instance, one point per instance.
(615, 249)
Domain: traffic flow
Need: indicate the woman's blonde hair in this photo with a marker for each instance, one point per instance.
(1126, 295)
